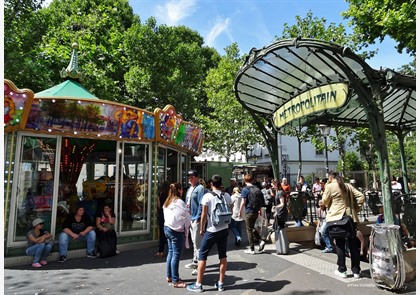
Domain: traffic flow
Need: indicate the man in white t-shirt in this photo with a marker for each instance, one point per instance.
(212, 234)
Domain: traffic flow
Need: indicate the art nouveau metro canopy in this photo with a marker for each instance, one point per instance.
(304, 81)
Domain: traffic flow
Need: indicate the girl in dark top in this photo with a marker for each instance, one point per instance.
(163, 195)
(105, 231)
(280, 206)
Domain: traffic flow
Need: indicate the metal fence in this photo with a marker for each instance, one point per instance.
(303, 206)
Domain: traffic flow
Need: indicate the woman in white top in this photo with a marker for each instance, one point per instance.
(237, 216)
(177, 221)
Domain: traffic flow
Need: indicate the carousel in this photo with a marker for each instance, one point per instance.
(64, 146)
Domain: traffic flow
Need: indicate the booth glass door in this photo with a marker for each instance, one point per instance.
(134, 189)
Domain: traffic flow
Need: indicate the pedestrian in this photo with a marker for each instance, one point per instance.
(39, 243)
(162, 196)
(237, 216)
(251, 215)
(321, 213)
(177, 223)
(212, 234)
(280, 206)
(233, 184)
(193, 200)
(268, 199)
(343, 200)
(77, 226)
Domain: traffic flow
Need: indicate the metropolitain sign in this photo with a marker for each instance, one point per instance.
(331, 96)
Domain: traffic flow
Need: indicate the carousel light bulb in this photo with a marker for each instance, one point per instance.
(49, 130)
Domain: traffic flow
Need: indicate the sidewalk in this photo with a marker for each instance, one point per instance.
(136, 271)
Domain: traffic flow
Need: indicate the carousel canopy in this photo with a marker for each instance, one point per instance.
(67, 89)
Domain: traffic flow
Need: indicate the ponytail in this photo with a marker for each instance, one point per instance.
(173, 194)
(339, 179)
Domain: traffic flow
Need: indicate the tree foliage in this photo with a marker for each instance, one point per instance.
(167, 65)
(228, 127)
(375, 19)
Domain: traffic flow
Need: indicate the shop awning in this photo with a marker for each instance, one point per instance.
(275, 75)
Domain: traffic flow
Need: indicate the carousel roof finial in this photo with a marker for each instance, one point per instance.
(72, 70)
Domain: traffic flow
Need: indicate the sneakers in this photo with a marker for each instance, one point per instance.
(356, 275)
(194, 272)
(194, 288)
(192, 265)
(36, 264)
(249, 251)
(62, 258)
(262, 245)
(219, 287)
(340, 274)
(43, 262)
(91, 255)
(326, 250)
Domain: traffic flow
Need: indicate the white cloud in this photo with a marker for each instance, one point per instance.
(221, 26)
(175, 10)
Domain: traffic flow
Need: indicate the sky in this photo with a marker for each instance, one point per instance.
(253, 23)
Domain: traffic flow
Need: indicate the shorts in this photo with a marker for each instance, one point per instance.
(209, 239)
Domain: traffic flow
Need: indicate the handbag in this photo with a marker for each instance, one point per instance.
(343, 228)
(317, 238)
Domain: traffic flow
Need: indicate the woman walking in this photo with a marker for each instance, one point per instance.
(177, 222)
(237, 216)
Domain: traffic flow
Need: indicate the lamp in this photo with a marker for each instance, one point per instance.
(254, 158)
(325, 130)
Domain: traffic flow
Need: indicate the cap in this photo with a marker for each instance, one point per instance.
(193, 173)
(352, 181)
(233, 178)
(37, 221)
(379, 204)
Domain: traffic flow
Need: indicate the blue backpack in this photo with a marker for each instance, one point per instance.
(222, 214)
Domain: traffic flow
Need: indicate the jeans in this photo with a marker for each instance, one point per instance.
(325, 235)
(354, 252)
(39, 251)
(64, 239)
(250, 219)
(176, 241)
(236, 227)
(196, 238)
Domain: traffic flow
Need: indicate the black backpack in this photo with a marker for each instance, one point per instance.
(255, 198)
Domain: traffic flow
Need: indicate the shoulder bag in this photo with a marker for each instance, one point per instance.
(343, 228)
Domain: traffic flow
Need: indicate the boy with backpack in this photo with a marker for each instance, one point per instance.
(214, 226)
(253, 201)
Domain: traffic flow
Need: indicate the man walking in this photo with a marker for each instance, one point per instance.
(213, 234)
(251, 215)
(193, 200)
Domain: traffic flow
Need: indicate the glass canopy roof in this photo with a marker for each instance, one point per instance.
(273, 75)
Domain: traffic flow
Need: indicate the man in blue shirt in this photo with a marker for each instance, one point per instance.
(193, 200)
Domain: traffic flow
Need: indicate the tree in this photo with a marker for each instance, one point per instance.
(373, 19)
(167, 65)
(228, 128)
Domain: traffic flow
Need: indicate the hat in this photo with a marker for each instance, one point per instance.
(193, 173)
(352, 181)
(37, 221)
(379, 204)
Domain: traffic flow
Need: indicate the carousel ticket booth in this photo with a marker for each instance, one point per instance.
(63, 146)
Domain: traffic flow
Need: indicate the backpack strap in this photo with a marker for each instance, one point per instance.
(221, 197)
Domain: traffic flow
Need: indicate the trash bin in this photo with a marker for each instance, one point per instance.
(386, 259)
(297, 205)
